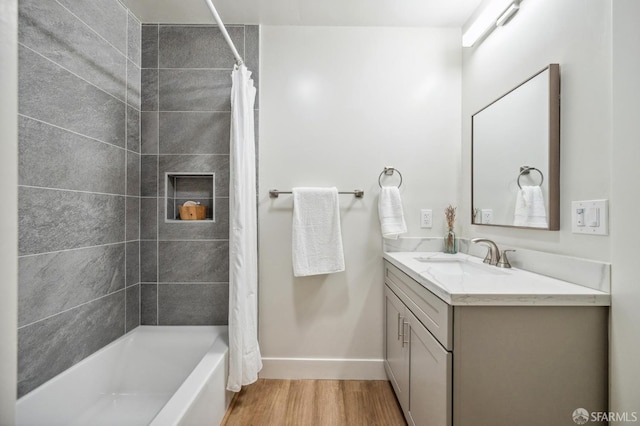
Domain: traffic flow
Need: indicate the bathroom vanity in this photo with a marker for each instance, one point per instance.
(470, 344)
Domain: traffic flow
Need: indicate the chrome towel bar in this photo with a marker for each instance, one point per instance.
(274, 193)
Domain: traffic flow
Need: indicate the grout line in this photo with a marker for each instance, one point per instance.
(125, 280)
(173, 24)
(129, 11)
(149, 197)
(130, 104)
(157, 48)
(126, 165)
(98, 34)
(147, 240)
(72, 190)
(71, 249)
(139, 304)
(71, 131)
(73, 307)
(160, 155)
(73, 73)
(158, 183)
(193, 69)
(135, 18)
(140, 223)
(190, 241)
(199, 111)
(195, 283)
(190, 112)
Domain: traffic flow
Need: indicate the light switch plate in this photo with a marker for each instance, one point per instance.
(590, 217)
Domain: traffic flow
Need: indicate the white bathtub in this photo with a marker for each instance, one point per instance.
(153, 375)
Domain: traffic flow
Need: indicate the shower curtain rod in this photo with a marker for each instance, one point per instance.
(225, 34)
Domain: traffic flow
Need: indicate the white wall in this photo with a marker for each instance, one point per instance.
(9, 216)
(337, 104)
(595, 42)
(625, 315)
(577, 35)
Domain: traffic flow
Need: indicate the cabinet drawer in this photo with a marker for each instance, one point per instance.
(435, 314)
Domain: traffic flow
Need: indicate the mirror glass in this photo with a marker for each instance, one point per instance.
(516, 156)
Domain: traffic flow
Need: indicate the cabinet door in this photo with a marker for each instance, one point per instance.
(396, 351)
(430, 379)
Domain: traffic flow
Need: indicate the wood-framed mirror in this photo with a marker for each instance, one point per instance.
(515, 156)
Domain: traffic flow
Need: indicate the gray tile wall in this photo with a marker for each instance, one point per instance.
(185, 122)
(79, 182)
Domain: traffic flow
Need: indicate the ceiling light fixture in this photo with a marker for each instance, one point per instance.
(504, 18)
(487, 19)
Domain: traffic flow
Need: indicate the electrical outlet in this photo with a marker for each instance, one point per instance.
(426, 218)
(487, 216)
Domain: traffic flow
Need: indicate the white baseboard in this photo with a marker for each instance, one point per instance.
(323, 368)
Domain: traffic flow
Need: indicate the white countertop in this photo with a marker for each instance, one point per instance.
(461, 279)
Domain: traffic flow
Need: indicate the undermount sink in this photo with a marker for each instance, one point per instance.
(456, 266)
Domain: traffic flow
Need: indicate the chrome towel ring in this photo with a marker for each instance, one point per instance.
(524, 170)
(389, 171)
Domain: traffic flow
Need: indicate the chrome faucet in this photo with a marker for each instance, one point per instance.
(493, 254)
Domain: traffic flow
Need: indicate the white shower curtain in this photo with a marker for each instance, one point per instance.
(245, 360)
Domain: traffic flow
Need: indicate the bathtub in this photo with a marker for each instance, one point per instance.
(153, 375)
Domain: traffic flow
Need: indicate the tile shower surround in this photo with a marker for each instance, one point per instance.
(79, 182)
(185, 122)
(86, 234)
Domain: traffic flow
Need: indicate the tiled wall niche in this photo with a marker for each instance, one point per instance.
(185, 122)
(79, 181)
(183, 187)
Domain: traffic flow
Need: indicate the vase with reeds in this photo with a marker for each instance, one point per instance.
(450, 239)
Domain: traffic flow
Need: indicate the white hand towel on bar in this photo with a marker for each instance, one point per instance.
(390, 212)
(530, 209)
(317, 237)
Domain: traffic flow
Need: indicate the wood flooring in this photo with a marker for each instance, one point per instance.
(270, 402)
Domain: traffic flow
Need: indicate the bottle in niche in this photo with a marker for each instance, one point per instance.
(450, 239)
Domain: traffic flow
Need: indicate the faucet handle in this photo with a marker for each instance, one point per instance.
(504, 261)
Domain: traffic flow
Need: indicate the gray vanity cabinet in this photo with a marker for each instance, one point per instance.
(417, 365)
(493, 365)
